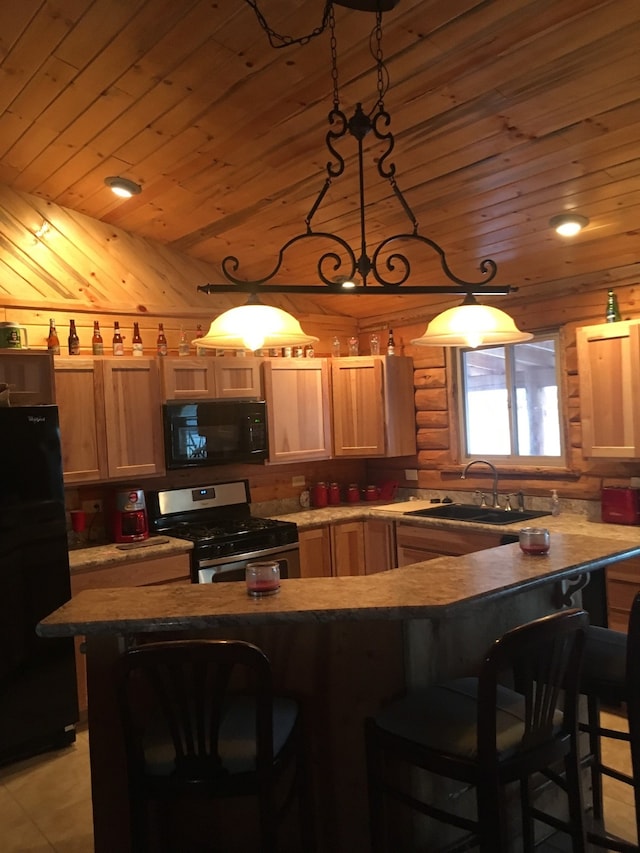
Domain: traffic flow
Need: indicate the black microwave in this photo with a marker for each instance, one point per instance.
(214, 432)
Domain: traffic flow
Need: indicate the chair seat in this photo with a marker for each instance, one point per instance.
(237, 738)
(444, 718)
(604, 664)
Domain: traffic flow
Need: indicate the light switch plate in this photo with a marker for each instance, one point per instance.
(410, 474)
(299, 480)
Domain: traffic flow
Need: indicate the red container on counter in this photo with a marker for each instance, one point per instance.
(334, 494)
(319, 495)
(353, 493)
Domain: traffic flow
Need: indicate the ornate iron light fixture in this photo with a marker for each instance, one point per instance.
(388, 268)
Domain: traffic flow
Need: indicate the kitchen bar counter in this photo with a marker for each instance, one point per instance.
(343, 645)
(455, 584)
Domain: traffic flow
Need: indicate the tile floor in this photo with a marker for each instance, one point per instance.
(45, 802)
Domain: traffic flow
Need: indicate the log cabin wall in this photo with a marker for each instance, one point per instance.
(88, 270)
(438, 462)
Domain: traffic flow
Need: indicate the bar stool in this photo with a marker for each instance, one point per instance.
(608, 677)
(479, 732)
(200, 722)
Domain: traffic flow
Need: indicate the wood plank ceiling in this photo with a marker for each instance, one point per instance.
(505, 112)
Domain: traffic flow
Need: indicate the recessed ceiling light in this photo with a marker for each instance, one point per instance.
(568, 224)
(123, 187)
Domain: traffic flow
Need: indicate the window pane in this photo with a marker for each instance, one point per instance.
(486, 402)
(537, 417)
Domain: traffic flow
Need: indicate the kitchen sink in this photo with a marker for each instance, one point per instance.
(479, 514)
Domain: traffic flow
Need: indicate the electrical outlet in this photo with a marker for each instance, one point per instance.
(298, 481)
(634, 482)
(411, 474)
(92, 506)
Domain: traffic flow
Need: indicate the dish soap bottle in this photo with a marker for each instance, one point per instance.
(555, 503)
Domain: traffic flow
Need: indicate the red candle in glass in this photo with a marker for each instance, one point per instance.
(534, 540)
(263, 578)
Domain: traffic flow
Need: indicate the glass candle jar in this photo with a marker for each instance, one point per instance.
(534, 540)
(263, 578)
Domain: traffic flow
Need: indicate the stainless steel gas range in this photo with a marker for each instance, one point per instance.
(225, 536)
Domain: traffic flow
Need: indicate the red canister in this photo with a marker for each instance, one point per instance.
(334, 494)
(319, 495)
(353, 493)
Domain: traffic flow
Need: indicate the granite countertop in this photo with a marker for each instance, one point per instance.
(566, 522)
(101, 556)
(454, 584)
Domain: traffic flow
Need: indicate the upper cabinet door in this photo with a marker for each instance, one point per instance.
(187, 378)
(298, 410)
(80, 397)
(609, 370)
(238, 377)
(133, 417)
(358, 407)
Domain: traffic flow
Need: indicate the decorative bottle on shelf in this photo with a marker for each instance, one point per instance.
(97, 344)
(200, 334)
(391, 344)
(335, 347)
(53, 341)
(74, 340)
(118, 343)
(136, 342)
(183, 345)
(161, 344)
(613, 312)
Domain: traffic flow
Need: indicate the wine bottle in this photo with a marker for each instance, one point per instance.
(613, 312)
(391, 344)
(161, 343)
(118, 343)
(53, 341)
(183, 345)
(137, 340)
(74, 340)
(97, 344)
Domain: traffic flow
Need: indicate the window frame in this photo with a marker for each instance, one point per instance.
(512, 460)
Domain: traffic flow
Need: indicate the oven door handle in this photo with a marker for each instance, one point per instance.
(248, 555)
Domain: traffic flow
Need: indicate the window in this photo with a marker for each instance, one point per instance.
(511, 402)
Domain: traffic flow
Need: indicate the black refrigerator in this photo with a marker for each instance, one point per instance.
(38, 698)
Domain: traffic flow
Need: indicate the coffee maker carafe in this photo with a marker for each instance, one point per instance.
(129, 517)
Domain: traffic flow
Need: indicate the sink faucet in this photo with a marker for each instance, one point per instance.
(463, 476)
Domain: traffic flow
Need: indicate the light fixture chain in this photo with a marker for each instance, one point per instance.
(334, 58)
(277, 39)
(380, 61)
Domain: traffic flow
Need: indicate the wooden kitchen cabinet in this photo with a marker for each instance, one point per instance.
(379, 545)
(209, 378)
(298, 409)
(332, 550)
(134, 572)
(415, 544)
(608, 361)
(347, 548)
(315, 552)
(373, 406)
(623, 584)
(29, 375)
(110, 418)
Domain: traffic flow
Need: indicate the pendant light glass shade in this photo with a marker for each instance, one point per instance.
(254, 326)
(471, 325)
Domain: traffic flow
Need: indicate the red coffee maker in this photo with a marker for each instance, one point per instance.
(129, 517)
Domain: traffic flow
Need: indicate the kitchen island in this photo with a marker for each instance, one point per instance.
(343, 644)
